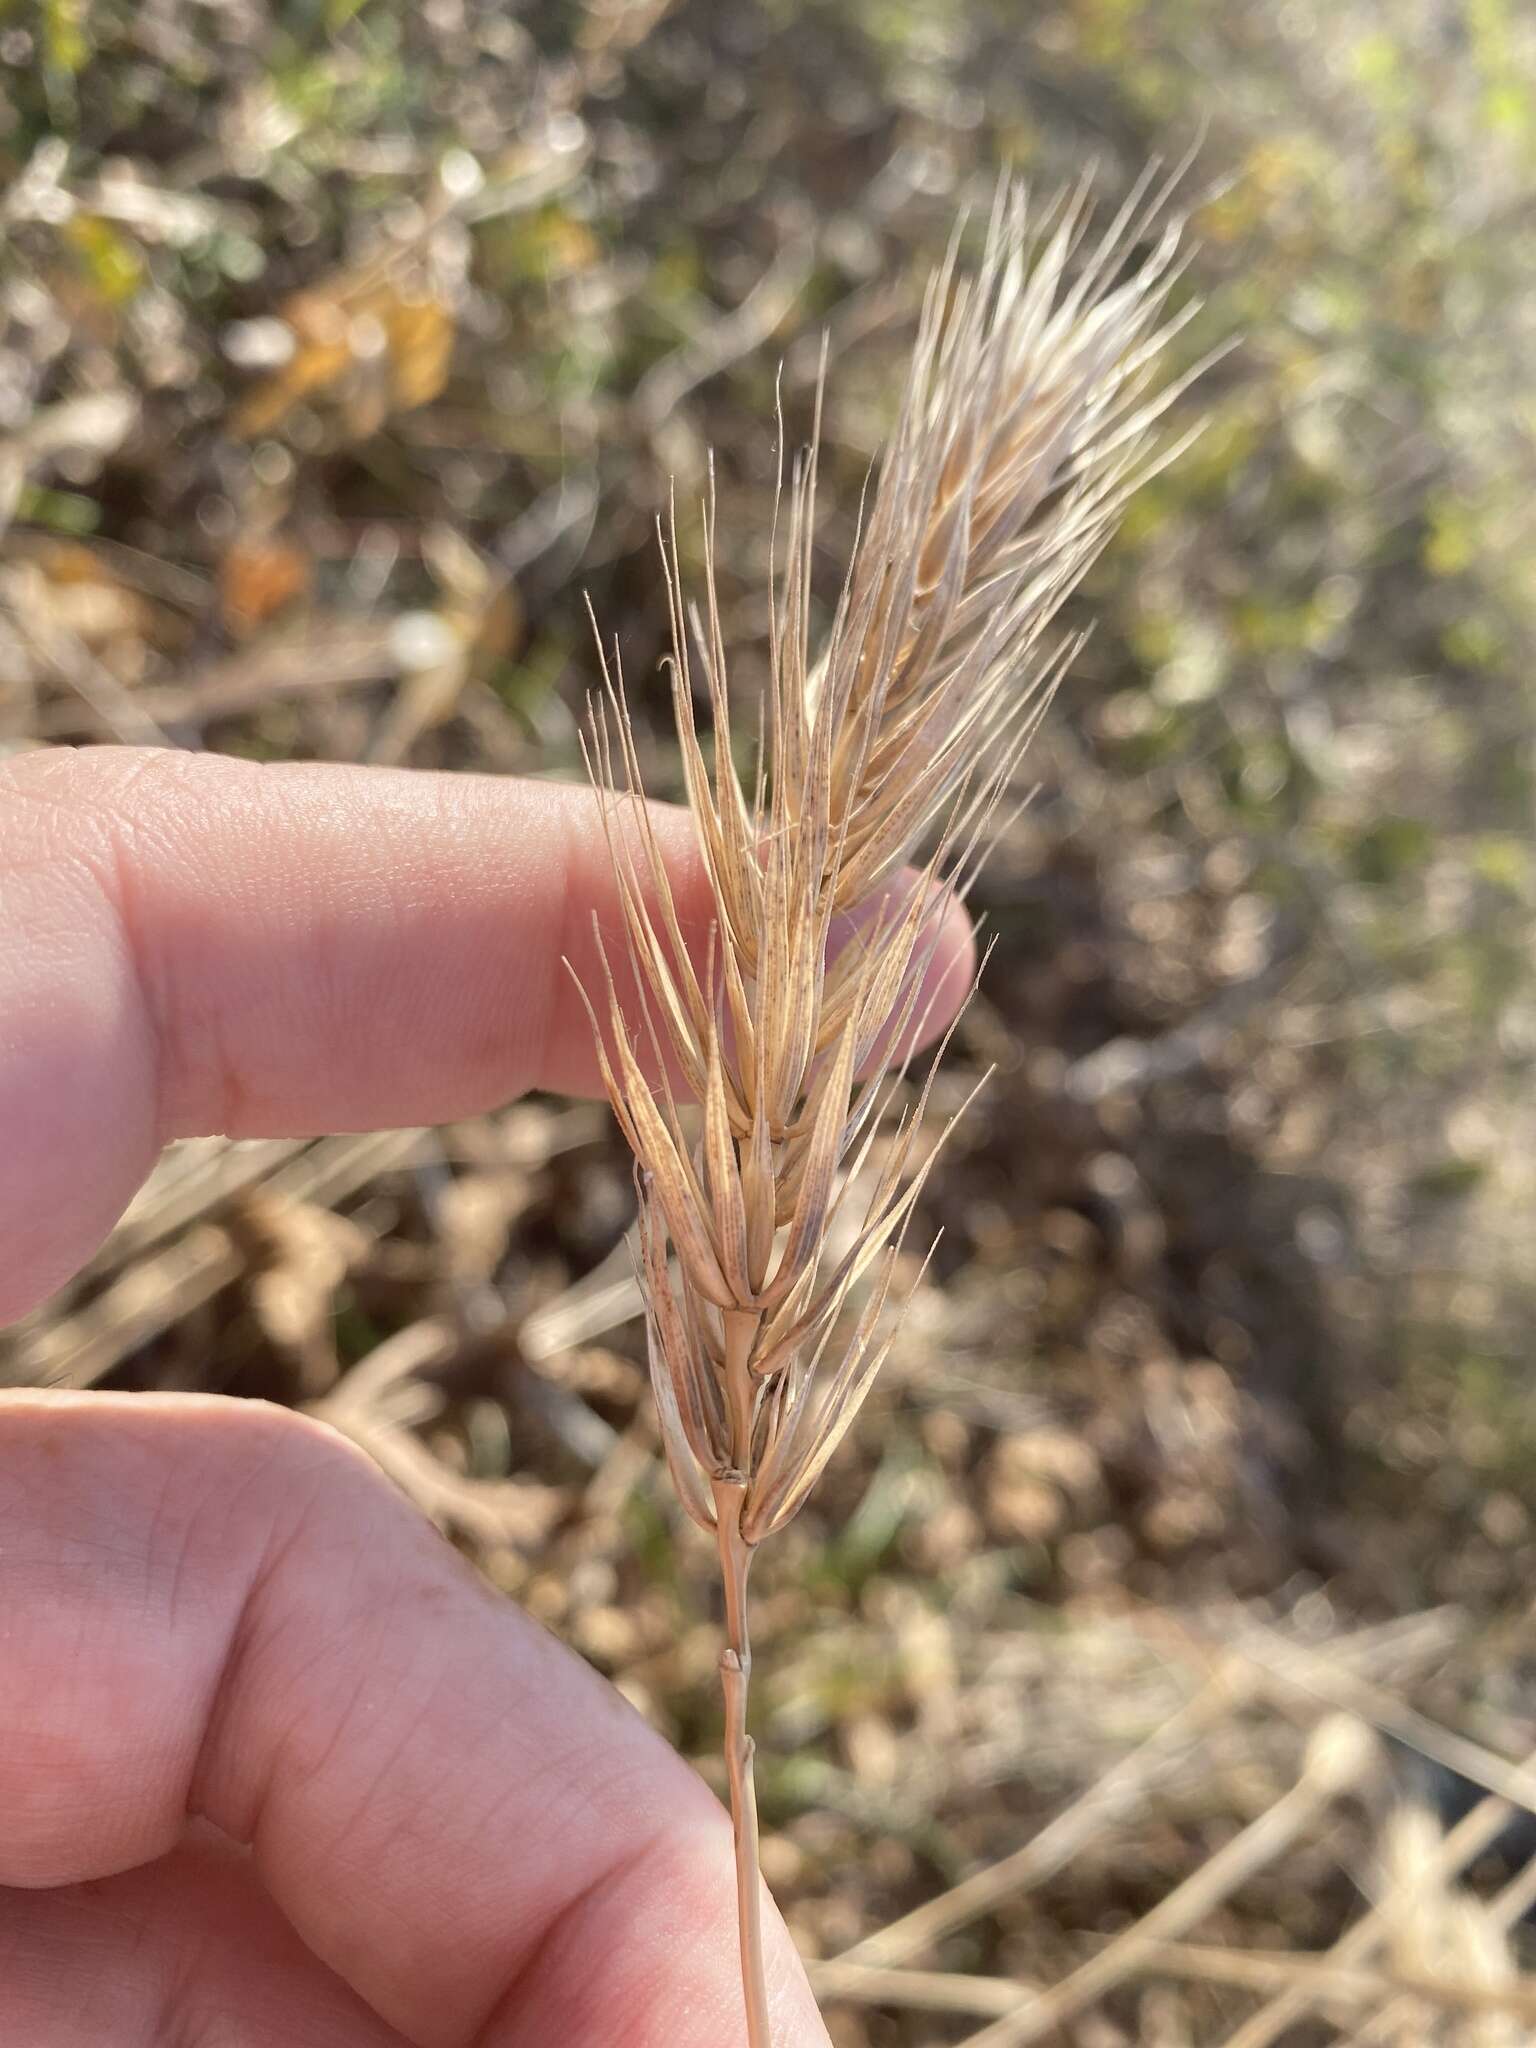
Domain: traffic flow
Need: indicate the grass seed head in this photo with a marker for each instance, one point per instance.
(1029, 416)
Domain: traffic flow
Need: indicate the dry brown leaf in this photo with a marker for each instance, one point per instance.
(420, 335)
(303, 1253)
(258, 578)
(371, 349)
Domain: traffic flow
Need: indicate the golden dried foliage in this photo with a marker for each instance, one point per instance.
(260, 576)
(365, 344)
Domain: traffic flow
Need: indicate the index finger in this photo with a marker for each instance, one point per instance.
(211, 945)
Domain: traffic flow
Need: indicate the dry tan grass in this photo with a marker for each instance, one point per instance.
(1027, 421)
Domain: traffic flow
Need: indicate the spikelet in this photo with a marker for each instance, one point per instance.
(1029, 416)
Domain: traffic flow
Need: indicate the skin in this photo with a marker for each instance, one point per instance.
(275, 1767)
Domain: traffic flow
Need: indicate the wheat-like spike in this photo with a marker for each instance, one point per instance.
(1029, 416)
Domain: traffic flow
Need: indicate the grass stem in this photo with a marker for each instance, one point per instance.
(735, 1678)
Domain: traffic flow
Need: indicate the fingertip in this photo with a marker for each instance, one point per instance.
(951, 974)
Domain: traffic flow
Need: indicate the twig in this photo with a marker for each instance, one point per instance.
(1301, 1671)
(1337, 1755)
(913, 1990)
(326, 657)
(1514, 1900)
(603, 1299)
(1467, 1840)
(1113, 1795)
(193, 1178)
(149, 1296)
(1251, 1969)
(361, 1392)
(72, 662)
(728, 337)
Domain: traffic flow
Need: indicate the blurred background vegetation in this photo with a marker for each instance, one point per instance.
(346, 346)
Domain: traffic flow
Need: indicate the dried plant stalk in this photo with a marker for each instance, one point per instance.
(1027, 421)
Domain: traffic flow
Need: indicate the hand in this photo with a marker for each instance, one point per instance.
(274, 1766)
